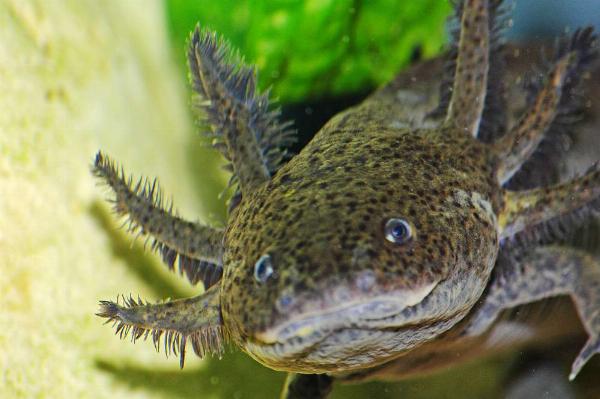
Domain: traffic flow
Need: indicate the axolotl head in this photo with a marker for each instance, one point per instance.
(361, 248)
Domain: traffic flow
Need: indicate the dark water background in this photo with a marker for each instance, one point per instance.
(538, 19)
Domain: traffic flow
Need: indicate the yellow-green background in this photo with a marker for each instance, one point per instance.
(80, 75)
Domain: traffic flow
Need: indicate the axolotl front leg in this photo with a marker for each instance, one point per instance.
(546, 272)
(307, 386)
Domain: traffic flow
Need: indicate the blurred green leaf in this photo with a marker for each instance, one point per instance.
(309, 48)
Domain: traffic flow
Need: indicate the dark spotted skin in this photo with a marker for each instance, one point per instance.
(314, 283)
(472, 64)
(342, 188)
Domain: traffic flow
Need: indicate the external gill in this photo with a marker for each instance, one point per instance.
(516, 147)
(471, 75)
(195, 319)
(246, 132)
(493, 118)
(198, 248)
(531, 209)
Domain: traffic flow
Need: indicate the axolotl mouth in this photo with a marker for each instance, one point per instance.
(346, 336)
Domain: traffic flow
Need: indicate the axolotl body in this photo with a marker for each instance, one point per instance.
(381, 242)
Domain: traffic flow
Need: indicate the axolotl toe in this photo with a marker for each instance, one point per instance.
(381, 242)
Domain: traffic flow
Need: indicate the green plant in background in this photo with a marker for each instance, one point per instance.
(309, 48)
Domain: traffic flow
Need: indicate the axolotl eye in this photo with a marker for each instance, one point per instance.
(398, 231)
(263, 269)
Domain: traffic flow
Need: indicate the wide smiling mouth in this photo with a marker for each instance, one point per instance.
(355, 315)
(299, 333)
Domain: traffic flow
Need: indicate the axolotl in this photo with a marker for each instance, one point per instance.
(383, 247)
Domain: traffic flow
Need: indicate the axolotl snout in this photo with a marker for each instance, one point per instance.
(382, 243)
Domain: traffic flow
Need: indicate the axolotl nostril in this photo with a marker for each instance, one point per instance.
(383, 241)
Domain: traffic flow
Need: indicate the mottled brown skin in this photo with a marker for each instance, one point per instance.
(353, 176)
(313, 282)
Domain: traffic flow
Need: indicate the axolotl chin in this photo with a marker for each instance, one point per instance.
(382, 241)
